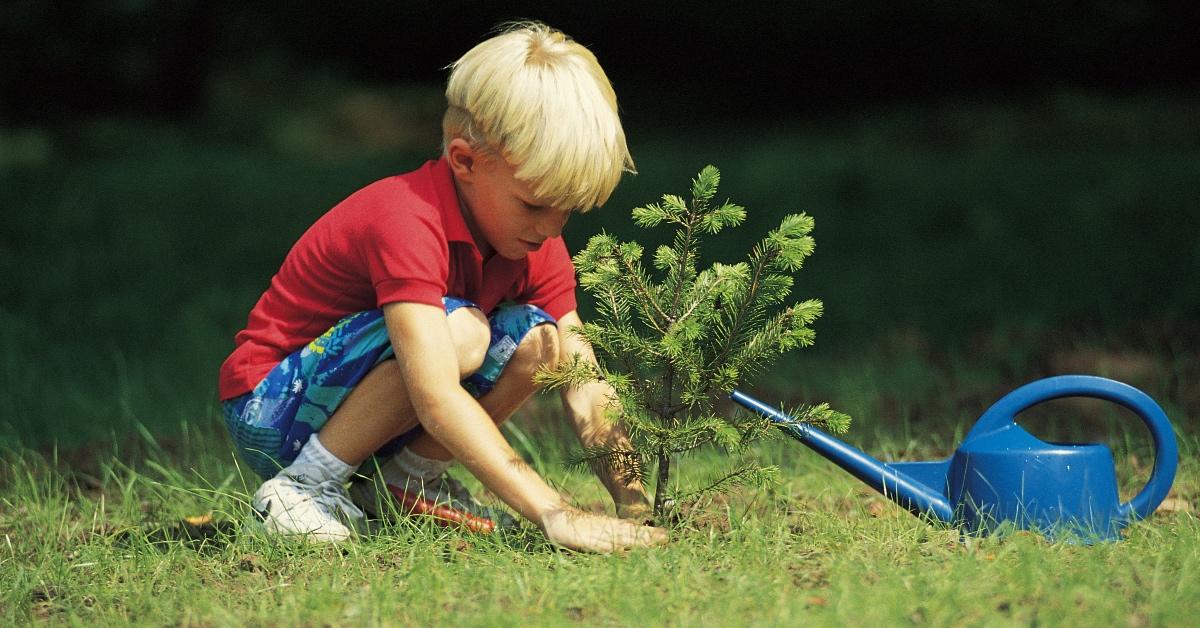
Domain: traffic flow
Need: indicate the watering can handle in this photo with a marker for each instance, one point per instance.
(1166, 453)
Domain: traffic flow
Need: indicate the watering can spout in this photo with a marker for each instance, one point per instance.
(919, 487)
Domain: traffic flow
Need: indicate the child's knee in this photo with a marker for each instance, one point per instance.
(538, 348)
(471, 334)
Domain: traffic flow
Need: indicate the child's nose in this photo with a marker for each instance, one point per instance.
(552, 225)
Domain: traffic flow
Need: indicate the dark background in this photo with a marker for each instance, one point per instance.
(66, 59)
(1002, 190)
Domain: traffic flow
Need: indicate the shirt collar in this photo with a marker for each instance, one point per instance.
(452, 216)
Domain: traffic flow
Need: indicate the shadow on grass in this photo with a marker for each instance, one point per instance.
(207, 536)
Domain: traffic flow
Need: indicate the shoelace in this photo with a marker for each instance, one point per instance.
(449, 491)
(463, 499)
(331, 496)
(457, 492)
(332, 493)
(445, 490)
(441, 490)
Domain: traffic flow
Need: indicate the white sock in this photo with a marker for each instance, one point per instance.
(406, 466)
(318, 465)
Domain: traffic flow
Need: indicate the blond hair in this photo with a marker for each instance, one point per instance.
(541, 101)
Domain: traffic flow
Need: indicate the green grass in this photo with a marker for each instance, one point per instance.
(98, 534)
(964, 248)
(102, 540)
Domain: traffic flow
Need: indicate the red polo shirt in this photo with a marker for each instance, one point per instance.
(399, 239)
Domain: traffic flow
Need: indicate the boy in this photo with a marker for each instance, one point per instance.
(404, 289)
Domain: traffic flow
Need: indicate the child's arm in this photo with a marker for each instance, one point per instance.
(428, 366)
(586, 406)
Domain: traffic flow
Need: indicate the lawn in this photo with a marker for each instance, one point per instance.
(964, 248)
(104, 537)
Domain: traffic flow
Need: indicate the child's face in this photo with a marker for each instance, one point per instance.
(503, 214)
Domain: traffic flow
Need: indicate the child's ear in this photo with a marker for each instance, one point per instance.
(462, 158)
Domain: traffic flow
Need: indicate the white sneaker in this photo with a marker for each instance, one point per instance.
(290, 505)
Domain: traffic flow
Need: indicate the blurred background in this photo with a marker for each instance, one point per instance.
(1002, 190)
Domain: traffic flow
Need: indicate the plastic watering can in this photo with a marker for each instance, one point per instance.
(1002, 475)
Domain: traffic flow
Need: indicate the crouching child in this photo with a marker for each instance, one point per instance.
(406, 324)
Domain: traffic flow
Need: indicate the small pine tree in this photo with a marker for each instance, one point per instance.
(671, 349)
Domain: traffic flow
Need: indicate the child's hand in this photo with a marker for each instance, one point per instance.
(578, 530)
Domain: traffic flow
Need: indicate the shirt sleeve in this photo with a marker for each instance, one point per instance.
(406, 257)
(551, 283)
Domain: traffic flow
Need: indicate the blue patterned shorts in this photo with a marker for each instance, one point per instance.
(270, 424)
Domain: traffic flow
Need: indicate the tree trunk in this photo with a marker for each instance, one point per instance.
(660, 488)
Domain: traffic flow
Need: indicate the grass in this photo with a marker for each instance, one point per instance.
(964, 248)
(104, 540)
(100, 534)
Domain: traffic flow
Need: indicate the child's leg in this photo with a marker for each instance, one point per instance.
(307, 497)
(415, 474)
(412, 467)
(379, 409)
(513, 388)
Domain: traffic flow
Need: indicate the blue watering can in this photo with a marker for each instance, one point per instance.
(1003, 475)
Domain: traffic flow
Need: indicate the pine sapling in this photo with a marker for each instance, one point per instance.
(674, 342)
